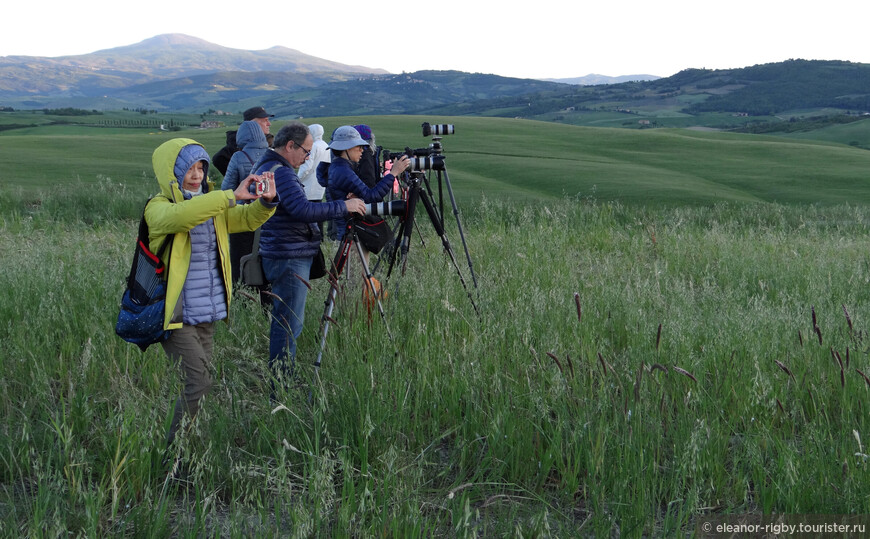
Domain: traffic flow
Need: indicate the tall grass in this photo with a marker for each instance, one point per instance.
(632, 368)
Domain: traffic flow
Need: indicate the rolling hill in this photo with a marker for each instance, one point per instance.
(161, 58)
(505, 159)
(179, 73)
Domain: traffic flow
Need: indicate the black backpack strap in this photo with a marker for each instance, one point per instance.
(144, 243)
(144, 233)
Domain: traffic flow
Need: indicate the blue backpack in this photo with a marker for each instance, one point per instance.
(143, 305)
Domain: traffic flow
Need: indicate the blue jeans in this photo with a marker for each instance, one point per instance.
(288, 310)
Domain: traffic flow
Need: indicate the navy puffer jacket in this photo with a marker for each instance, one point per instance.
(293, 232)
(343, 180)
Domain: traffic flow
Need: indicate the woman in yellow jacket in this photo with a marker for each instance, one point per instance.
(199, 289)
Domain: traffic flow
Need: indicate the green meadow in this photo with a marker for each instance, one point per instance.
(506, 158)
(672, 329)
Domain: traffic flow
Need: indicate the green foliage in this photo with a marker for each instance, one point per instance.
(856, 134)
(407, 93)
(69, 111)
(796, 84)
(798, 125)
(685, 99)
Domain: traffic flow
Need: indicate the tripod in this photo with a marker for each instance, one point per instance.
(406, 227)
(349, 241)
(436, 149)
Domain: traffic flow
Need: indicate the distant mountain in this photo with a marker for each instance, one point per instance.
(774, 88)
(800, 86)
(228, 90)
(593, 79)
(408, 93)
(179, 73)
(176, 72)
(163, 57)
(184, 73)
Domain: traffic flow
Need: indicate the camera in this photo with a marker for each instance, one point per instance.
(411, 153)
(393, 207)
(418, 159)
(258, 187)
(437, 129)
(392, 156)
(260, 184)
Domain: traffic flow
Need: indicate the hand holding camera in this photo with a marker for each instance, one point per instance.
(255, 186)
(399, 165)
(355, 205)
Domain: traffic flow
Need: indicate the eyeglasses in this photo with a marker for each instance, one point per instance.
(307, 152)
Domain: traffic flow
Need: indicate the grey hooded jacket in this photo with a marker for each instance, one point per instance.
(252, 143)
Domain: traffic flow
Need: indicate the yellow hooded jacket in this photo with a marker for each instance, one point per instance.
(168, 213)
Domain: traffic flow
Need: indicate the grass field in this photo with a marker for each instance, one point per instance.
(516, 159)
(853, 134)
(673, 328)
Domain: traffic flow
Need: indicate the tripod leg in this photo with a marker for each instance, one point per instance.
(338, 263)
(459, 226)
(408, 224)
(439, 229)
(349, 241)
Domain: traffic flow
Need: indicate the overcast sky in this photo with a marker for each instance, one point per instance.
(535, 39)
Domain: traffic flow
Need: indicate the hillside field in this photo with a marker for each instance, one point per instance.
(506, 158)
(672, 331)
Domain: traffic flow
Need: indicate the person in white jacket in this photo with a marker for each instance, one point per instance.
(308, 170)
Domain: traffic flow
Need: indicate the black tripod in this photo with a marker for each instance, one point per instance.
(339, 263)
(405, 229)
(441, 173)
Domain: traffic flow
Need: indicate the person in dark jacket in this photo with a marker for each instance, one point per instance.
(289, 240)
(343, 181)
(367, 168)
(221, 159)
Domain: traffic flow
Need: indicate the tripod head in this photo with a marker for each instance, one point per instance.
(414, 178)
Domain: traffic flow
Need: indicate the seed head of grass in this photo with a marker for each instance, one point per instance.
(686, 373)
(784, 368)
(848, 318)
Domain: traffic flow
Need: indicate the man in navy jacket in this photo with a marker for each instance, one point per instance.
(290, 239)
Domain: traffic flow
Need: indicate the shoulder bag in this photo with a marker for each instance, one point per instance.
(251, 265)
